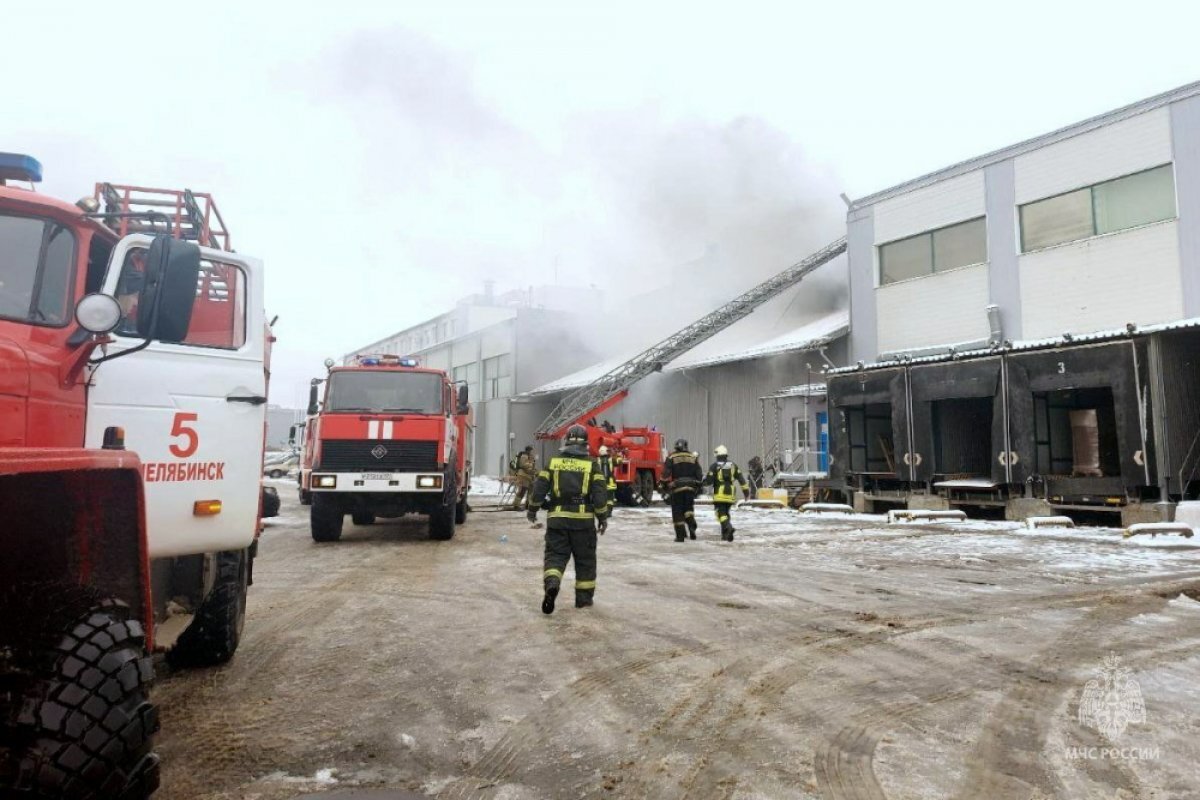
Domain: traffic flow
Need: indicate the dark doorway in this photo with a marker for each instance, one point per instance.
(962, 437)
(1075, 433)
(869, 431)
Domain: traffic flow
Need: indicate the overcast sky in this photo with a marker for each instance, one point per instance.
(383, 159)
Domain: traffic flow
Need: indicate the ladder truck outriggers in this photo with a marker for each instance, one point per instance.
(133, 380)
(638, 476)
(389, 438)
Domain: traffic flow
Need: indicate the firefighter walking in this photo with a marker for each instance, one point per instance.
(724, 476)
(607, 464)
(683, 476)
(573, 490)
(524, 470)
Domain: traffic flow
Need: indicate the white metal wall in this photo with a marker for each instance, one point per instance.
(946, 308)
(1108, 152)
(940, 204)
(1102, 283)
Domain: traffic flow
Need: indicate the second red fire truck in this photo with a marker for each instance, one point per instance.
(389, 438)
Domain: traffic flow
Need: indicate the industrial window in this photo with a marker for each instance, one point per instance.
(954, 246)
(468, 374)
(497, 377)
(1116, 205)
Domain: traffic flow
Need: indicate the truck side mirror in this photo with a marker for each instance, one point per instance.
(464, 403)
(312, 397)
(292, 435)
(169, 292)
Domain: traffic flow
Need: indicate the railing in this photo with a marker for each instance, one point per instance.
(183, 214)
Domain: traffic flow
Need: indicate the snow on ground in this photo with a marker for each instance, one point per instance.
(485, 485)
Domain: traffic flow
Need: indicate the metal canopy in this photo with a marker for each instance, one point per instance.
(581, 403)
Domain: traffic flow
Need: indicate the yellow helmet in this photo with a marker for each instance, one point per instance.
(603, 450)
(721, 450)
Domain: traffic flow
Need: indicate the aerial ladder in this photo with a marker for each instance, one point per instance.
(613, 386)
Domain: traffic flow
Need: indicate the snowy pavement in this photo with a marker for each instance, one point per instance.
(831, 656)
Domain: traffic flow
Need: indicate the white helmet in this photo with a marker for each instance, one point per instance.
(721, 450)
(603, 450)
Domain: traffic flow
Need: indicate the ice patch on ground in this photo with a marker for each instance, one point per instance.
(322, 777)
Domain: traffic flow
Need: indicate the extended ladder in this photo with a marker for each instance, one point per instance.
(584, 401)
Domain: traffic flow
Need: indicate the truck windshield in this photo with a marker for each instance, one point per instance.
(37, 260)
(400, 392)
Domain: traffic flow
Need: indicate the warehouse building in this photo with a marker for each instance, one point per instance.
(727, 389)
(500, 346)
(1025, 325)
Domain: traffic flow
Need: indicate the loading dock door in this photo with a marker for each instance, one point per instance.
(1091, 448)
(962, 437)
(869, 431)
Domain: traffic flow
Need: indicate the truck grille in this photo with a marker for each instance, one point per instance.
(354, 455)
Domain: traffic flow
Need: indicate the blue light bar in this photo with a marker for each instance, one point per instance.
(18, 167)
(369, 362)
(409, 362)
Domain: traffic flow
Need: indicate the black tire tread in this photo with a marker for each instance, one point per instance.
(77, 721)
(326, 520)
(216, 629)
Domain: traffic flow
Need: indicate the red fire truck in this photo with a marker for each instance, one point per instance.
(637, 453)
(133, 351)
(390, 438)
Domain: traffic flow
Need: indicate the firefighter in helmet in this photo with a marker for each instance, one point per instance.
(524, 470)
(607, 464)
(724, 476)
(683, 475)
(572, 489)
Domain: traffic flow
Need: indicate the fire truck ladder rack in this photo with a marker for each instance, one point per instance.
(603, 392)
(182, 214)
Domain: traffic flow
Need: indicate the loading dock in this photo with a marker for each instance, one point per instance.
(1110, 423)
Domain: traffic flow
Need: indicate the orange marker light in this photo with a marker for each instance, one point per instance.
(206, 508)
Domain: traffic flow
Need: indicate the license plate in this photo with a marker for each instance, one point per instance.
(377, 476)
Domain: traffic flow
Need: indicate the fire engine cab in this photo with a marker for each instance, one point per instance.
(133, 378)
(389, 438)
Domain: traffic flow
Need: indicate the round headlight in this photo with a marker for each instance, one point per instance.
(98, 313)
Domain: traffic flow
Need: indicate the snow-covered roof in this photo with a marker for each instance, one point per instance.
(734, 344)
(817, 333)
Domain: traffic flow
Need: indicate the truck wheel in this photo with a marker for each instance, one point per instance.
(645, 488)
(305, 498)
(215, 631)
(441, 521)
(362, 518)
(326, 520)
(460, 511)
(75, 719)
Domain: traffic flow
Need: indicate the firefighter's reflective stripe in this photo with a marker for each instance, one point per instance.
(724, 479)
(552, 573)
(585, 584)
(557, 468)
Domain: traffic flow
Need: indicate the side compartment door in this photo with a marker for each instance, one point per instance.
(193, 410)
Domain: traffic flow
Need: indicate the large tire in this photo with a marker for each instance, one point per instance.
(75, 718)
(326, 520)
(215, 631)
(362, 518)
(460, 511)
(441, 521)
(270, 502)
